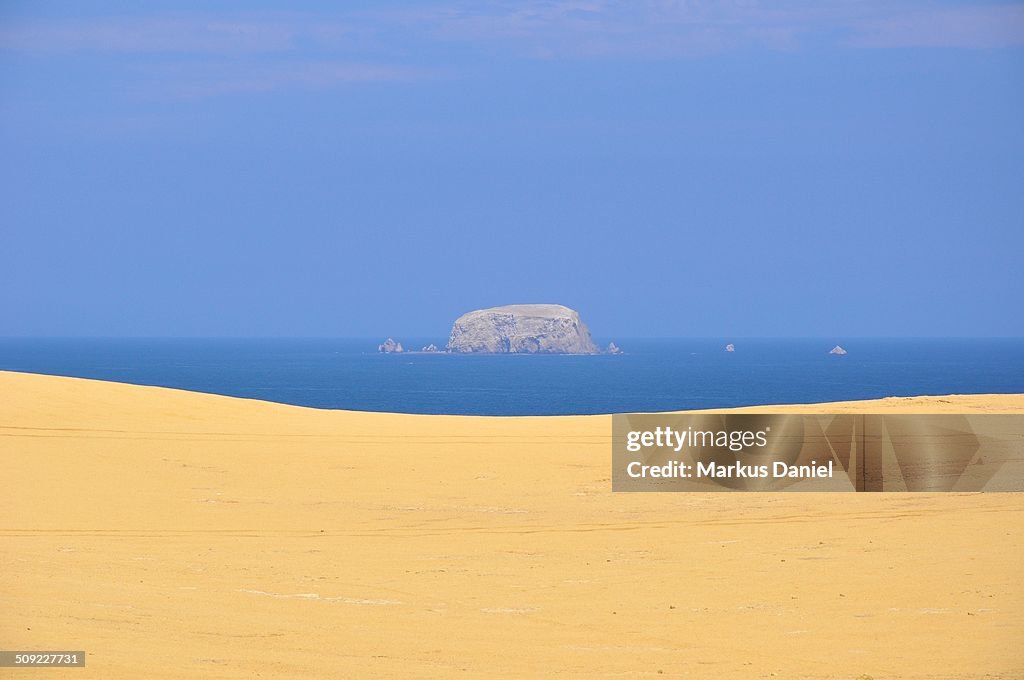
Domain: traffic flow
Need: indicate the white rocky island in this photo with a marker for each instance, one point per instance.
(389, 346)
(522, 329)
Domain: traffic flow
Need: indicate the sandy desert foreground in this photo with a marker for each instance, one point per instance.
(175, 535)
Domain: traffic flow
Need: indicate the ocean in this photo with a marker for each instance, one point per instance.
(652, 374)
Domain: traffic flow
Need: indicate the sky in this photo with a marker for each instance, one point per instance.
(366, 169)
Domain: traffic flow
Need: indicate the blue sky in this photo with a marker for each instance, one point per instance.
(371, 168)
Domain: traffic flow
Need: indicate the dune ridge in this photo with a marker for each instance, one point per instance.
(173, 534)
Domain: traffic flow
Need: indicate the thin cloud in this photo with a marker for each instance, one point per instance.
(180, 33)
(597, 29)
(537, 28)
(665, 28)
(200, 81)
(965, 27)
(195, 56)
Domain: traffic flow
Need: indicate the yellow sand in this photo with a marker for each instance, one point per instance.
(173, 535)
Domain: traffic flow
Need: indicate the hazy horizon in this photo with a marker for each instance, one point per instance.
(603, 337)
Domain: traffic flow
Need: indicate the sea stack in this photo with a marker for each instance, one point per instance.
(389, 346)
(613, 348)
(522, 329)
(837, 350)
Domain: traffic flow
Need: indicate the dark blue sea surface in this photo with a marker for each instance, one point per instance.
(653, 375)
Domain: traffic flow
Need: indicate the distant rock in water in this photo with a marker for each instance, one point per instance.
(730, 347)
(390, 347)
(429, 348)
(613, 348)
(522, 329)
(837, 350)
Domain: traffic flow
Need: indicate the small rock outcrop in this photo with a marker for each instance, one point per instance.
(837, 350)
(389, 346)
(730, 347)
(522, 329)
(613, 348)
(430, 348)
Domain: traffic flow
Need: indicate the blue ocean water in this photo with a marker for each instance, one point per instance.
(653, 375)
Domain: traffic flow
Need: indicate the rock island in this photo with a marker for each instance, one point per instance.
(522, 329)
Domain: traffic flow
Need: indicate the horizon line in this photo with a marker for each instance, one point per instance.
(398, 337)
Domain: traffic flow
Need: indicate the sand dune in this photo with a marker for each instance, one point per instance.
(172, 534)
